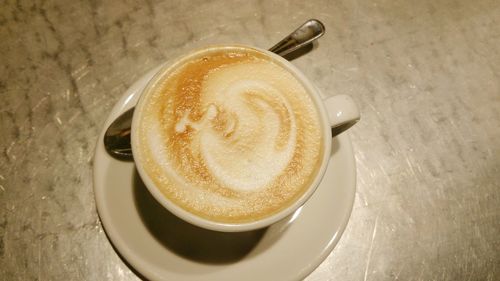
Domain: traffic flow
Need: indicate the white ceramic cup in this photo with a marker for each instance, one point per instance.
(337, 114)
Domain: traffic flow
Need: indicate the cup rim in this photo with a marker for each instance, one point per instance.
(196, 220)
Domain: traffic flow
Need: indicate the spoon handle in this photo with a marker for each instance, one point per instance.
(305, 34)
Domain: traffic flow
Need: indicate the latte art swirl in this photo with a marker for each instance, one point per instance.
(253, 124)
(230, 136)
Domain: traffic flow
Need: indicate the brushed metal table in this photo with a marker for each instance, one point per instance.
(426, 75)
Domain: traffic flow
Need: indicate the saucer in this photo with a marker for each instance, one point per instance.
(159, 246)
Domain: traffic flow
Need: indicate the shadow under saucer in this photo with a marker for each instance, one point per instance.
(189, 241)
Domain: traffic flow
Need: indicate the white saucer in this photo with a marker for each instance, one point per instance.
(160, 246)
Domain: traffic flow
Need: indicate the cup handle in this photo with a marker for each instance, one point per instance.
(342, 113)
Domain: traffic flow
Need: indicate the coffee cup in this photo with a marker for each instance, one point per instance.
(234, 138)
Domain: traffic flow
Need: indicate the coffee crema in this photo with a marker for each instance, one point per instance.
(230, 135)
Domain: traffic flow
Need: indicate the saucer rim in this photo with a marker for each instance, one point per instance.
(143, 267)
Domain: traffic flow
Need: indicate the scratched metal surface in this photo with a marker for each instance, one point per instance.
(426, 75)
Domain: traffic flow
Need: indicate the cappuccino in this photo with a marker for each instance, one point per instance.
(229, 134)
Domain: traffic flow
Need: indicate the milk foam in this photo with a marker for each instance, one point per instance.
(233, 140)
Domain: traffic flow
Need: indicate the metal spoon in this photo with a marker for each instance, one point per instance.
(117, 136)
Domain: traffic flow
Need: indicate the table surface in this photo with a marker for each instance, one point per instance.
(425, 74)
